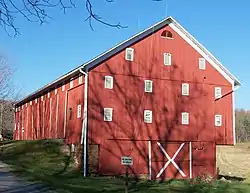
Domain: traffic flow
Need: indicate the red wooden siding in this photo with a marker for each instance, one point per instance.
(61, 112)
(112, 150)
(224, 134)
(148, 54)
(53, 109)
(20, 137)
(129, 101)
(45, 119)
(148, 64)
(34, 120)
(74, 123)
(203, 158)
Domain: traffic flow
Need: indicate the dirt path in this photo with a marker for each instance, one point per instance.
(234, 160)
(9, 183)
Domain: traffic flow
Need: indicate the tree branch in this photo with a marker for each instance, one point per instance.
(36, 11)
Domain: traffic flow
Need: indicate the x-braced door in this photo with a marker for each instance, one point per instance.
(171, 160)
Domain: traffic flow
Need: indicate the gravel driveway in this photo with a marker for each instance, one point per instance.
(10, 183)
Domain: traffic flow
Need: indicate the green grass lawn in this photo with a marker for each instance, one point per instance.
(44, 161)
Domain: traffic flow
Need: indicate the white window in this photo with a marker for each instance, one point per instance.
(184, 118)
(217, 92)
(202, 63)
(63, 87)
(108, 113)
(108, 82)
(48, 94)
(185, 89)
(30, 102)
(129, 54)
(55, 91)
(147, 116)
(26, 104)
(80, 79)
(42, 98)
(218, 120)
(71, 83)
(35, 100)
(148, 87)
(167, 59)
(79, 111)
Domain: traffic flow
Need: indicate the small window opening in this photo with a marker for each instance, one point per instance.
(218, 120)
(108, 83)
(63, 87)
(185, 118)
(80, 79)
(147, 116)
(166, 34)
(148, 87)
(71, 83)
(108, 114)
(167, 59)
(202, 64)
(185, 89)
(217, 92)
(129, 54)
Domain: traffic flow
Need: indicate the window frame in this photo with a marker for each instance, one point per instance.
(63, 87)
(183, 122)
(145, 120)
(200, 66)
(71, 83)
(80, 79)
(132, 54)
(166, 54)
(111, 82)
(111, 115)
(215, 120)
(167, 33)
(215, 92)
(145, 86)
(182, 89)
(79, 111)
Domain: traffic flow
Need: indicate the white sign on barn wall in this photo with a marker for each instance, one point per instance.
(127, 161)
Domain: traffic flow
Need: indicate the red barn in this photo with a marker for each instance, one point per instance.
(159, 97)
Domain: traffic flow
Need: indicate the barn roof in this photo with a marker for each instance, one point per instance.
(118, 48)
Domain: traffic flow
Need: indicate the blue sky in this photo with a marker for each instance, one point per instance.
(43, 52)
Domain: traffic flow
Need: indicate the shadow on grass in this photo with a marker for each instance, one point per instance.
(232, 178)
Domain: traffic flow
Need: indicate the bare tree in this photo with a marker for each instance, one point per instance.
(8, 95)
(242, 125)
(5, 79)
(37, 11)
